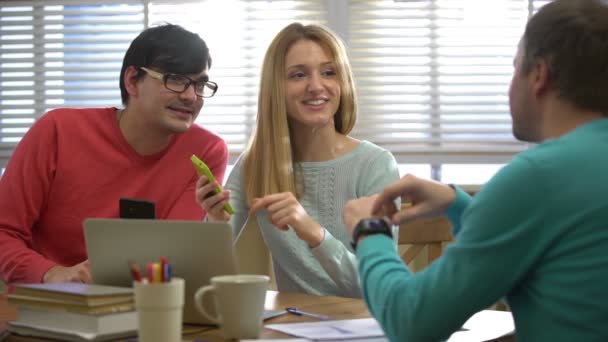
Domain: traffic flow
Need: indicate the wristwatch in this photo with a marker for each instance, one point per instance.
(370, 226)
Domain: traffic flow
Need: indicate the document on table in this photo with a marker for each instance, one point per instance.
(331, 330)
(275, 340)
(365, 339)
(482, 326)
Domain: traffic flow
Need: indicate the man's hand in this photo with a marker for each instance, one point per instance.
(211, 202)
(356, 210)
(427, 198)
(59, 274)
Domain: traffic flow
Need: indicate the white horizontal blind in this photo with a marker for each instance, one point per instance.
(433, 77)
(60, 54)
(237, 33)
(69, 53)
(536, 4)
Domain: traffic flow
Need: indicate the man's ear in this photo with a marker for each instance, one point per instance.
(540, 77)
(130, 79)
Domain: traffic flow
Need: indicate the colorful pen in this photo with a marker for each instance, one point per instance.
(135, 271)
(157, 272)
(150, 272)
(167, 272)
(163, 262)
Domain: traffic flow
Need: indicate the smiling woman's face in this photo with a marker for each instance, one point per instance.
(313, 86)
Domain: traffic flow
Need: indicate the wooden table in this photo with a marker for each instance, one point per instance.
(335, 307)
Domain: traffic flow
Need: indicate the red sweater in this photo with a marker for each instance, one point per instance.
(74, 164)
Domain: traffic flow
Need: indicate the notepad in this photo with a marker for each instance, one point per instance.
(67, 335)
(331, 330)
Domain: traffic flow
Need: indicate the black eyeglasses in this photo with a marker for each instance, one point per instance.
(180, 83)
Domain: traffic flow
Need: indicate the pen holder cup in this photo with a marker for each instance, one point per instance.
(159, 310)
(239, 302)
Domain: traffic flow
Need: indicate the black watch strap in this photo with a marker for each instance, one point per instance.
(371, 226)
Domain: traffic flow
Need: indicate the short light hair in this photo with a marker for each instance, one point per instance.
(571, 36)
(269, 160)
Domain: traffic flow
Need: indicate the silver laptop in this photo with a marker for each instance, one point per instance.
(196, 250)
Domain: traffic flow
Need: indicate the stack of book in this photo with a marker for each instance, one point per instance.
(74, 311)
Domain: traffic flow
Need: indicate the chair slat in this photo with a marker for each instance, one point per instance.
(426, 232)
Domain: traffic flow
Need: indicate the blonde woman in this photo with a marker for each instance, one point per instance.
(301, 167)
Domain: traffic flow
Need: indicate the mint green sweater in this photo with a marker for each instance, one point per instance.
(537, 233)
(331, 267)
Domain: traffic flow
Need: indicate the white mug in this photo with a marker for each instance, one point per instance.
(239, 302)
(159, 310)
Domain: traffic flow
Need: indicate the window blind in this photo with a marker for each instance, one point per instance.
(433, 77)
(60, 54)
(69, 53)
(237, 33)
(536, 4)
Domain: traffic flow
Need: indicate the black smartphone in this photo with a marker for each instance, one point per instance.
(133, 208)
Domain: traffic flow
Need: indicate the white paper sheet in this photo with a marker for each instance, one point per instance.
(275, 340)
(483, 326)
(331, 330)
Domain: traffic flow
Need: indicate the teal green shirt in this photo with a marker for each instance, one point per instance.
(537, 233)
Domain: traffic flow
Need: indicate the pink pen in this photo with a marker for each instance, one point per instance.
(150, 272)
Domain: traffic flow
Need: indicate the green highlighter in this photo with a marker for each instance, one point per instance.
(203, 169)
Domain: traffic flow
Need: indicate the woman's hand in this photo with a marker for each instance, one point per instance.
(285, 211)
(357, 209)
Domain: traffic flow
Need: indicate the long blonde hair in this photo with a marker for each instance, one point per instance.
(269, 160)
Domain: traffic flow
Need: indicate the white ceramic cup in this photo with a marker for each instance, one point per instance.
(239, 302)
(159, 310)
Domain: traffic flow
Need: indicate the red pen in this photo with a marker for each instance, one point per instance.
(135, 271)
(163, 262)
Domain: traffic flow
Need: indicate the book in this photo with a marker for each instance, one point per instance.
(76, 293)
(50, 304)
(84, 327)
(25, 332)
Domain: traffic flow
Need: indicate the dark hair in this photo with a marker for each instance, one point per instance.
(571, 36)
(168, 47)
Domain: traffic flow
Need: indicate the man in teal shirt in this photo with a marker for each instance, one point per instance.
(537, 233)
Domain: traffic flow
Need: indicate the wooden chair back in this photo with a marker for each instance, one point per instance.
(431, 233)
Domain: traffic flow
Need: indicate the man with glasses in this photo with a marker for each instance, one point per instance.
(77, 163)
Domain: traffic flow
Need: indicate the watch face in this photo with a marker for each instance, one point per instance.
(377, 224)
(372, 226)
